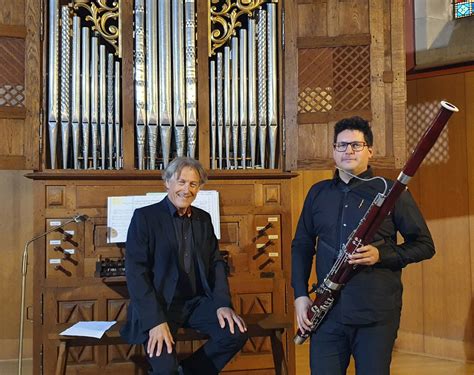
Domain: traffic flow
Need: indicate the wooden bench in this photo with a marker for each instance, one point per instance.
(258, 325)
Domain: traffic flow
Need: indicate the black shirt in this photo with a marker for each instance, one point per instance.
(189, 284)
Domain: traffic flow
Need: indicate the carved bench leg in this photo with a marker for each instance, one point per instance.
(279, 359)
(62, 358)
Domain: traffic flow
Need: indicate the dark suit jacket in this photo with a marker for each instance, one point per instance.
(151, 266)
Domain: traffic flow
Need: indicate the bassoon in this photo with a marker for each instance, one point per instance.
(342, 271)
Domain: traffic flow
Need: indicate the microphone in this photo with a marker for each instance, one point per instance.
(80, 218)
(24, 269)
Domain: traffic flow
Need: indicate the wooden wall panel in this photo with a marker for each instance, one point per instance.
(258, 279)
(350, 61)
(20, 87)
(16, 227)
(469, 93)
(449, 223)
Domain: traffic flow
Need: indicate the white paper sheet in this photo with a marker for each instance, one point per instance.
(120, 211)
(88, 329)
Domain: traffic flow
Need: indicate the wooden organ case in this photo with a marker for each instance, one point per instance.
(109, 91)
(129, 85)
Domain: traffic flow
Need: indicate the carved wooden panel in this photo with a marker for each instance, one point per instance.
(56, 196)
(117, 310)
(72, 312)
(271, 194)
(350, 61)
(19, 84)
(252, 212)
(12, 74)
(333, 82)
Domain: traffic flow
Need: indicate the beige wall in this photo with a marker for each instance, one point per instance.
(16, 227)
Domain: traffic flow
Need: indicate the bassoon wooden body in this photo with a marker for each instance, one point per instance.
(342, 271)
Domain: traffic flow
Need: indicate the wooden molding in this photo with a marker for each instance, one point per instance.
(13, 31)
(13, 112)
(334, 41)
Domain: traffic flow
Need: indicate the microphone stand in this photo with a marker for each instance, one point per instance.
(24, 269)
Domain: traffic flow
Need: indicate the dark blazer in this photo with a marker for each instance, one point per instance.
(151, 267)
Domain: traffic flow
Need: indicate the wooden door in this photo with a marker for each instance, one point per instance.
(349, 60)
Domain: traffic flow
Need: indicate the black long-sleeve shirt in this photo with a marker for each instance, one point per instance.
(331, 211)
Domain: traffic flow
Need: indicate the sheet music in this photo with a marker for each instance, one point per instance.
(94, 329)
(120, 211)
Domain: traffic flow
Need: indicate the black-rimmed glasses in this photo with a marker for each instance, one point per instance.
(356, 146)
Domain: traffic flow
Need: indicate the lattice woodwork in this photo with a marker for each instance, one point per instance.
(12, 74)
(12, 96)
(334, 79)
(419, 117)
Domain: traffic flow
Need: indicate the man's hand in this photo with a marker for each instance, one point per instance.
(302, 305)
(157, 336)
(226, 313)
(366, 255)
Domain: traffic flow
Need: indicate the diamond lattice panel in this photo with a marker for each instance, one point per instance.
(419, 118)
(334, 79)
(12, 74)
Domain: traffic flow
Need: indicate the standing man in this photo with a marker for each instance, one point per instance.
(176, 277)
(365, 318)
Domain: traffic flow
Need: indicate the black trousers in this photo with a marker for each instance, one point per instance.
(200, 314)
(371, 346)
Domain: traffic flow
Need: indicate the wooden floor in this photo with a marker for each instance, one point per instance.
(402, 364)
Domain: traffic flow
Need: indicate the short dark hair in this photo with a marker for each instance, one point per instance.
(355, 123)
(177, 165)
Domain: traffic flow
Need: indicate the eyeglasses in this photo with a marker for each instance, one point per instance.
(356, 146)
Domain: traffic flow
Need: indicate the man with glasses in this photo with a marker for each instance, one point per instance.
(364, 320)
(176, 277)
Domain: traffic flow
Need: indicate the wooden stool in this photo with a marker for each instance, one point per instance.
(258, 325)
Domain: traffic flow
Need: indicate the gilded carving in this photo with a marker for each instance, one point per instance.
(224, 16)
(105, 19)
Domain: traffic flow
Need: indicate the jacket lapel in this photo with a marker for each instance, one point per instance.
(168, 229)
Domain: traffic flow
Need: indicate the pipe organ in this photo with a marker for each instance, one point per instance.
(244, 91)
(84, 84)
(84, 121)
(131, 84)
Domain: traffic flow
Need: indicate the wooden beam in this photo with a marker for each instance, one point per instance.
(333, 41)
(13, 31)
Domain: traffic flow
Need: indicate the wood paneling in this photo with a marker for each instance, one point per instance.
(20, 31)
(350, 60)
(255, 217)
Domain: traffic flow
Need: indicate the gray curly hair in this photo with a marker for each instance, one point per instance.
(177, 165)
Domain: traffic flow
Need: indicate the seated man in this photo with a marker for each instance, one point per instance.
(176, 278)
